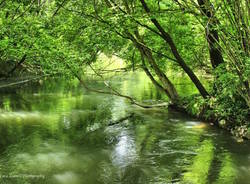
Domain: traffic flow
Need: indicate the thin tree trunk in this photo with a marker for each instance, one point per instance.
(212, 37)
(167, 84)
(146, 70)
(176, 54)
(146, 52)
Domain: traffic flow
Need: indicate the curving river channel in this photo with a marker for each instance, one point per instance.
(55, 132)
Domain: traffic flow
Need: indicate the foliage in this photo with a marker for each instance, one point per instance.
(54, 37)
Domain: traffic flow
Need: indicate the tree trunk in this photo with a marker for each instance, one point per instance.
(17, 65)
(212, 37)
(167, 84)
(146, 70)
(146, 52)
(176, 54)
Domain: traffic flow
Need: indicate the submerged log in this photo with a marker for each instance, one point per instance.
(121, 120)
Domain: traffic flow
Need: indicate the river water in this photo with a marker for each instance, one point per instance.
(56, 132)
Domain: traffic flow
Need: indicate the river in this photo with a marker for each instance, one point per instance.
(56, 132)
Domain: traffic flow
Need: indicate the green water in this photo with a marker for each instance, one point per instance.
(55, 132)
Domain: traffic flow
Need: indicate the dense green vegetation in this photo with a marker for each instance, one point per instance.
(196, 38)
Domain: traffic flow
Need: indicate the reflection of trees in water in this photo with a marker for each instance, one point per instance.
(68, 134)
(161, 151)
(37, 96)
(15, 101)
(208, 166)
(17, 125)
(178, 156)
(199, 170)
(44, 140)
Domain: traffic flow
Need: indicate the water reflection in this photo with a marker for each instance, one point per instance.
(124, 152)
(60, 131)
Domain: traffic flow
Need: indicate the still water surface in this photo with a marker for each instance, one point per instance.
(55, 132)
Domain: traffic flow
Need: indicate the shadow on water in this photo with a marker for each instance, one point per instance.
(57, 133)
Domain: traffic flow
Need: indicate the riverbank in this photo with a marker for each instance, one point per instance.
(203, 110)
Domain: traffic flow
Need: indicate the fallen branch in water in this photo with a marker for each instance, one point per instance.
(112, 90)
(121, 120)
(125, 96)
(22, 82)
